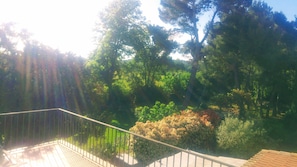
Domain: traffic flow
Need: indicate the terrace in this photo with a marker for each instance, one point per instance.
(57, 137)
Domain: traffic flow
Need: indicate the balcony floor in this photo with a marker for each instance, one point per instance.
(60, 153)
(49, 154)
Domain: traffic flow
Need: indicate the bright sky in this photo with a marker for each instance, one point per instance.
(68, 25)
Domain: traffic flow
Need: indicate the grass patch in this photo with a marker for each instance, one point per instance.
(105, 146)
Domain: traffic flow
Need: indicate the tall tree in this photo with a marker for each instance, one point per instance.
(185, 15)
(119, 19)
(152, 50)
(253, 51)
(9, 78)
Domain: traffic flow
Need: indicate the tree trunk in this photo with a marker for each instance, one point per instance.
(196, 54)
(236, 80)
(275, 106)
(267, 111)
(260, 100)
(190, 86)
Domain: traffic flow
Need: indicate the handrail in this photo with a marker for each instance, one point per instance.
(119, 129)
(28, 111)
(153, 140)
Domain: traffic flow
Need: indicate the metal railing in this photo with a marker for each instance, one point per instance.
(101, 143)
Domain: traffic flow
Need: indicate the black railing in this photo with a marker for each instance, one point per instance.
(96, 141)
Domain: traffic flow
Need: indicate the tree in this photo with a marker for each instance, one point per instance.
(130, 51)
(185, 14)
(233, 46)
(119, 19)
(253, 51)
(37, 76)
(9, 78)
(152, 49)
(50, 79)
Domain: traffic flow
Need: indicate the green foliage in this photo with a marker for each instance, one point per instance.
(275, 129)
(147, 152)
(147, 96)
(104, 142)
(153, 54)
(100, 146)
(241, 99)
(187, 129)
(118, 24)
(250, 52)
(106, 151)
(236, 101)
(175, 83)
(290, 120)
(111, 143)
(283, 130)
(221, 100)
(39, 76)
(124, 86)
(156, 112)
(241, 138)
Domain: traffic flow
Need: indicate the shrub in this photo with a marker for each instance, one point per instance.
(155, 113)
(147, 152)
(174, 84)
(241, 138)
(186, 129)
(105, 151)
(290, 135)
(289, 120)
(211, 116)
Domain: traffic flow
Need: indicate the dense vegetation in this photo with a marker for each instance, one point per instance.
(244, 68)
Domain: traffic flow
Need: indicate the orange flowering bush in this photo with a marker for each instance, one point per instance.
(211, 116)
(187, 129)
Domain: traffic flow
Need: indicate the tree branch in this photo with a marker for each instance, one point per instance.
(210, 26)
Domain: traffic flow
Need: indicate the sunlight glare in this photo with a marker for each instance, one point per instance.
(66, 25)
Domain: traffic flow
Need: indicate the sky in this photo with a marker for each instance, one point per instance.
(68, 25)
